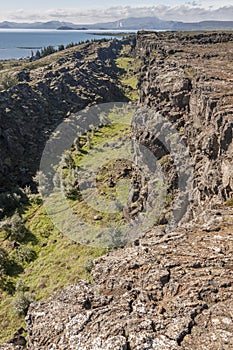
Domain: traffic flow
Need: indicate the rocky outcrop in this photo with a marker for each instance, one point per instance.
(188, 80)
(54, 88)
(165, 291)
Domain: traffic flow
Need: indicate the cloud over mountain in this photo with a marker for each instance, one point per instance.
(191, 12)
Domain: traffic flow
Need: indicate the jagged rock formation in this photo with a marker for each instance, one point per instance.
(167, 290)
(31, 110)
(188, 79)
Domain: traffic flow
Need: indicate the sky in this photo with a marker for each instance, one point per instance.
(93, 11)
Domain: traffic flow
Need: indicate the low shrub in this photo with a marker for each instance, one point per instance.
(14, 228)
(24, 254)
(3, 261)
(22, 302)
(89, 265)
(7, 81)
(11, 201)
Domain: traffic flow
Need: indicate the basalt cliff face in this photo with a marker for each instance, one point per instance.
(170, 289)
(187, 79)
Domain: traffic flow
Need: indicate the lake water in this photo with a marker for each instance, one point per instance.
(18, 43)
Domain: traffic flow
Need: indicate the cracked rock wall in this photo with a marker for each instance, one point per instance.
(187, 78)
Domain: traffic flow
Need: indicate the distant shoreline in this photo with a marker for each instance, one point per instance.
(112, 33)
(29, 47)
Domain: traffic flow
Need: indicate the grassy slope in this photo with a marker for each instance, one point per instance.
(59, 260)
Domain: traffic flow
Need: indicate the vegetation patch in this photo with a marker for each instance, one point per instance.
(7, 80)
(35, 258)
(34, 266)
(96, 149)
(130, 72)
(229, 202)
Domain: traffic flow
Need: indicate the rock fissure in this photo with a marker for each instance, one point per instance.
(168, 289)
(191, 324)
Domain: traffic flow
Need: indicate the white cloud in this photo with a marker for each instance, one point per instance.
(191, 12)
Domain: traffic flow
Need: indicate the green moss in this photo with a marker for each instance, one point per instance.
(131, 81)
(181, 130)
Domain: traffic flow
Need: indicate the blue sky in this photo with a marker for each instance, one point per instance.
(90, 11)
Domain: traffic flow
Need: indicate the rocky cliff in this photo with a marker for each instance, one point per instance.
(48, 91)
(168, 289)
(188, 80)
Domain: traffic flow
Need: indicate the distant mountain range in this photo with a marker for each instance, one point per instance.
(132, 23)
(35, 25)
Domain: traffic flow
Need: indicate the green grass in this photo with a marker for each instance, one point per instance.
(97, 154)
(131, 81)
(125, 63)
(126, 50)
(59, 262)
(129, 78)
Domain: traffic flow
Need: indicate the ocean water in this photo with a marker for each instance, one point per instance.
(19, 43)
